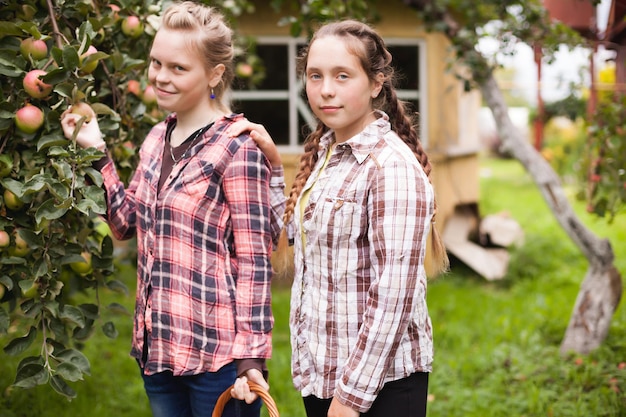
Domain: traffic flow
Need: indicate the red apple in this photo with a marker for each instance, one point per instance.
(5, 239)
(149, 96)
(134, 87)
(244, 70)
(115, 12)
(29, 118)
(34, 86)
(36, 48)
(89, 67)
(83, 109)
(132, 26)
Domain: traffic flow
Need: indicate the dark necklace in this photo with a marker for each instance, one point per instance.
(194, 138)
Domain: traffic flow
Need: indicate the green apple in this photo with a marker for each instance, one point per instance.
(83, 267)
(88, 68)
(30, 292)
(21, 248)
(12, 201)
(6, 165)
(83, 109)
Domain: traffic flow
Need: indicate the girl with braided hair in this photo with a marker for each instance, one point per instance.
(359, 213)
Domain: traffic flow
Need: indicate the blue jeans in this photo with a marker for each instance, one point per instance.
(195, 395)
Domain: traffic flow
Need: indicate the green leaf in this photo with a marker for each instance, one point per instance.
(63, 169)
(107, 248)
(49, 210)
(47, 141)
(14, 186)
(117, 286)
(88, 205)
(76, 358)
(35, 184)
(21, 344)
(10, 71)
(70, 58)
(69, 372)
(117, 308)
(31, 374)
(52, 307)
(7, 282)
(9, 29)
(95, 176)
(91, 311)
(40, 267)
(73, 314)
(58, 152)
(31, 308)
(83, 333)
(109, 330)
(56, 76)
(60, 386)
(5, 321)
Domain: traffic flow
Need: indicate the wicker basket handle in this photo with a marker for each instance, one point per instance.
(254, 387)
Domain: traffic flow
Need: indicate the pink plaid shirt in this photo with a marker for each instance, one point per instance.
(358, 301)
(204, 243)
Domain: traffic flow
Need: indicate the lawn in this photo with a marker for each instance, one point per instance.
(496, 343)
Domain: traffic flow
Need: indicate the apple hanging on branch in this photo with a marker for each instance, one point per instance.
(34, 86)
(29, 118)
(35, 48)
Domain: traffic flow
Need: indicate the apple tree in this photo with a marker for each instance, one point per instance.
(54, 244)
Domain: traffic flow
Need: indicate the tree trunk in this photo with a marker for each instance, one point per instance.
(601, 289)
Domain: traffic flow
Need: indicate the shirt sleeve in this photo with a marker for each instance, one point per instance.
(398, 215)
(277, 200)
(121, 212)
(247, 190)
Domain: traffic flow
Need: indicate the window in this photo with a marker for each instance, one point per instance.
(279, 102)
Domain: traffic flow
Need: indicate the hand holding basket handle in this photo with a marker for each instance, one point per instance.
(254, 387)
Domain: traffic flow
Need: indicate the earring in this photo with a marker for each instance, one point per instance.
(212, 94)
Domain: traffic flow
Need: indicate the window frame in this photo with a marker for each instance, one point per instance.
(297, 106)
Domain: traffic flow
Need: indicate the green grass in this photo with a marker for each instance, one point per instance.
(496, 343)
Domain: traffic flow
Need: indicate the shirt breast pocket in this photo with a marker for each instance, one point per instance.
(341, 219)
(197, 179)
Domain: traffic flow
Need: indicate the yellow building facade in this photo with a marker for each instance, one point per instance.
(448, 115)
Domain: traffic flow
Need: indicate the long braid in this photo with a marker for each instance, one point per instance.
(283, 260)
(438, 262)
(307, 162)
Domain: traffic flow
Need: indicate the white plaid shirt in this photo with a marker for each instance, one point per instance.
(358, 305)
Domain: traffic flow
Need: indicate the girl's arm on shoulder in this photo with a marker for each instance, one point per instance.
(259, 134)
(264, 141)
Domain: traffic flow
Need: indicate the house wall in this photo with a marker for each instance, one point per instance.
(453, 139)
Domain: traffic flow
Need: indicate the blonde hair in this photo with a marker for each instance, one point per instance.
(213, 40)
(369, 47)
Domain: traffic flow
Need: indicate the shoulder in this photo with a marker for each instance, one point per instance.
(393, 150)
(155, 136)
